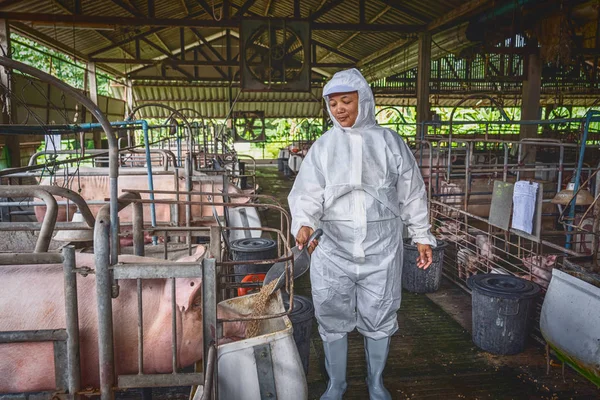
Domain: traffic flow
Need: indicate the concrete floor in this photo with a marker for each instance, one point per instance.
(432, 355)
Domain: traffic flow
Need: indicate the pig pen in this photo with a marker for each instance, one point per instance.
(471, 200)
(114, 282)
(114, 276)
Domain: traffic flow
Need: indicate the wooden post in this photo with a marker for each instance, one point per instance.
(93, 95)
(530, 106)
(12, 141)
(128, 97)
(423, 73)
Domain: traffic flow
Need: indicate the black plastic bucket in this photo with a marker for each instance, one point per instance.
(503, 306)
(302, 321)
(243, 179)
(252, 249)
(286, 169)
(417, 280)
(282, 159)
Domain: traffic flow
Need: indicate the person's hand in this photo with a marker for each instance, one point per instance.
(303, 235)
(425, 256)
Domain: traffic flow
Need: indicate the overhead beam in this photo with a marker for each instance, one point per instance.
(208, 63)
(396, 28)
(191, 47)
(170, 56)
(151, 9)
(205, 7)
(205, 42)
(125, 41)
(325, 9)
(296, 100)
(400, 6)
(463, 11)
(355, 34)
(297, 13)
(97, 21)
(128, 7)
(334, 50)
(167, 61)
(245, 7)
(110, 22)
(162, 43)
(394, 46)
(67, 8)
(8, 3)
(268, 8)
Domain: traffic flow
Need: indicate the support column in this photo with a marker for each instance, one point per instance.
(93, 95)
(423, 74)
(13, 141)
(530, 106)
(128, 97)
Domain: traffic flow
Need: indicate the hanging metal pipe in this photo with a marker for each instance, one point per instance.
(144, 125)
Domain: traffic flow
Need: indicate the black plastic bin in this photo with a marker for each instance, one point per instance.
(252, 249)
(243, 179)
(417, 280)
(503, 307)
(302, 321)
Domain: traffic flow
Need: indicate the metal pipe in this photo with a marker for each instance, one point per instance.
(560, 169)
(209, 304)
(174, 324)
(72, 322)
(208, 375)
(188, 208)
(138, 229)
(140, 327)
(586, 127)
(74, 197)
(47, 228)
(12, 259)
(44, 335)
(104, 304)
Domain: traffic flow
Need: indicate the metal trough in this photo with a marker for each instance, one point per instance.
(570, 323)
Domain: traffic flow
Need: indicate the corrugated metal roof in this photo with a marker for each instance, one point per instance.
(213, 101)
(88, 41)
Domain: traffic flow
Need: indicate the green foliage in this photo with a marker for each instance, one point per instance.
(55, 63)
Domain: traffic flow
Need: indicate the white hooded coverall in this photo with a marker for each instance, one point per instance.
(359, 185)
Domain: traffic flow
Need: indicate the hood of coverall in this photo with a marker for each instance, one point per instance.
(352, 79)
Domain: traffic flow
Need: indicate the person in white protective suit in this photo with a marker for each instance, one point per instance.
(359, 183)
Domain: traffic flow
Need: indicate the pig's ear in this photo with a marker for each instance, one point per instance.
(195, 299)
(186, 290)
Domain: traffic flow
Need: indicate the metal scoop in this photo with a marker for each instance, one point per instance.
(301, 264)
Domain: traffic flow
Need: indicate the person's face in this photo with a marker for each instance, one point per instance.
(344, 107)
